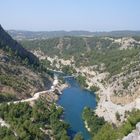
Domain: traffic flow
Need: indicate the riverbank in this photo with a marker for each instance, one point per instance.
(73, 100)
(56, 90)
(114, 92)
(105, 107)
(51, 96)
(86, 126)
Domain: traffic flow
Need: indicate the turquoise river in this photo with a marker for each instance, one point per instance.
(73, 100)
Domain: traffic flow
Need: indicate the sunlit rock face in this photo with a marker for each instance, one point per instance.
(135, 135)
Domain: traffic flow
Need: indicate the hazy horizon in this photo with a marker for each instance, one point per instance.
(69, 30)
(89, 15)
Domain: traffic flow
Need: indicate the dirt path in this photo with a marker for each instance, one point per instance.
(35, 97)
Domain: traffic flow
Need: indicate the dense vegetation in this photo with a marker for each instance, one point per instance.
(101, 130)
(113, 59)
(28, 122)
(11, 81)
(5, 97)
(78, 136)
(93, 121)
(82, 81)
(88, 51)
(6, 134)
(68, 70)
(94, 88)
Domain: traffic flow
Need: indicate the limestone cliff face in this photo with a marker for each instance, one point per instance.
(135, 135)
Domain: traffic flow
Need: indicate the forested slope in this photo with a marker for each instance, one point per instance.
(21, 73)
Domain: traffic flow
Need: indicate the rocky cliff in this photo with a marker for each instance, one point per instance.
(21, 74)
(6, 40)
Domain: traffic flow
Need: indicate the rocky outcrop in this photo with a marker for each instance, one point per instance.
(135, 135)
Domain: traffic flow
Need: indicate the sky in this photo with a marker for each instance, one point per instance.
(52, 15)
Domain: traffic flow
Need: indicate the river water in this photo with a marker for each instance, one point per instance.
(73, 100)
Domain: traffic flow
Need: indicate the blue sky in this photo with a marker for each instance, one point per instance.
(92, 15)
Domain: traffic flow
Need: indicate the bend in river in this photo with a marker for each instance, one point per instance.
(73, 100)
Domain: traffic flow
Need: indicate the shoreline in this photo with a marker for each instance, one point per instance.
(58, 87)
(105, 107)
(86, 126)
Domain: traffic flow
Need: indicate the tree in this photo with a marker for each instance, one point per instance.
(78, 136)
(118, 116)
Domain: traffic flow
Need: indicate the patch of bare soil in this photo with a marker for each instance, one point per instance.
(125, 99)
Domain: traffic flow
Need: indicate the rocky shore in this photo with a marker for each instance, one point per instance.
(57, 88)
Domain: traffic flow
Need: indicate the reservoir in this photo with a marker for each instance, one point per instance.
(73, 100)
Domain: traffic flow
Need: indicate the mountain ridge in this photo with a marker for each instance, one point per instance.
(6, 40)
(19, 34)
